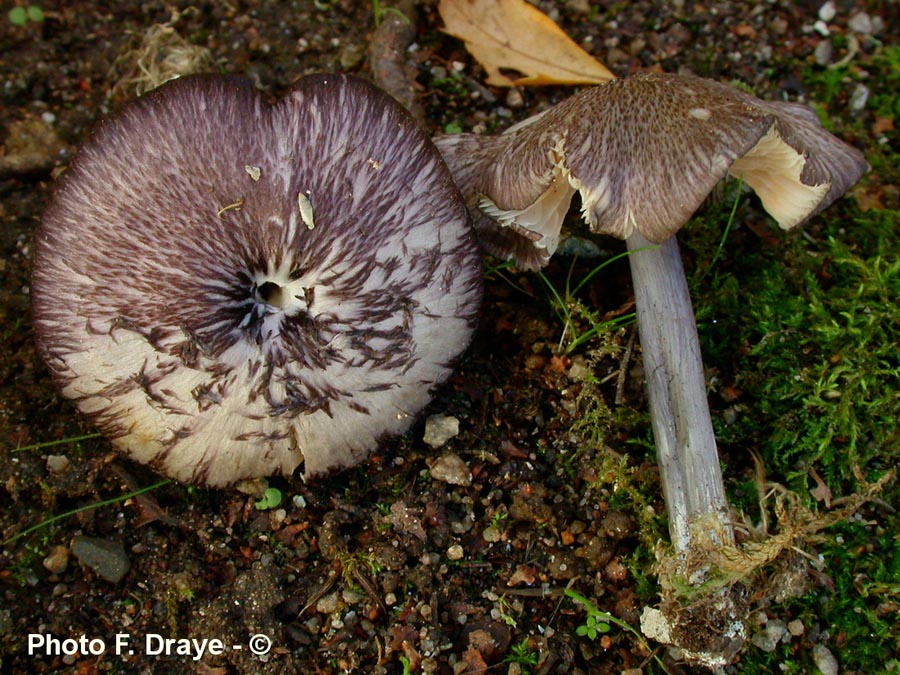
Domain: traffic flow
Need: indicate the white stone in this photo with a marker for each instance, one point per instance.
(827, 11)
(450, 468)
(328, 604)
(656, 626)
(58, 463)
(861, 23)
(439, 429)
(859, 97)
(824, 660)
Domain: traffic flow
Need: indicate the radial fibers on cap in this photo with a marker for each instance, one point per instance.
(230, 289)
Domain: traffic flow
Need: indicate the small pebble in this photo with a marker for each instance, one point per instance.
(328, 604)
(449, 468)
(617, 525)
(352, 597)
(491, 534)
(579, 370)
(439, 429)
(58, 463)
(579, 6)
(108, 559)
(514, 98)
(578, 246)
(827, 11)
(823, 53)
(824, 660)
(861, 23)
(616, 572)
(455, 552)
(351, 56)
(859, 98)
(770, 635)
(58, 560)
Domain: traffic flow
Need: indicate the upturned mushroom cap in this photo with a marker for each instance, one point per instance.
(229, 288)
(644, 153)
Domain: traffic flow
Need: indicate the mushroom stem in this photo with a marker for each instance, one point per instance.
(682, 427)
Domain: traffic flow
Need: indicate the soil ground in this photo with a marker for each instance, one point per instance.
(386, 568)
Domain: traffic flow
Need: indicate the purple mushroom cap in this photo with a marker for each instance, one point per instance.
(229, 289)
(644, 153)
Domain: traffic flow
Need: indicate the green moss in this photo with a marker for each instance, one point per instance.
(800, 335)
(525, 654)
(855, 617)
(819, 324)
(829, 84)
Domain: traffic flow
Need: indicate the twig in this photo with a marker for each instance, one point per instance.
(623, 369)
(388, 54)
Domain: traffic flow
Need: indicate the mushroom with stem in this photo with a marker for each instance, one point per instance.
(229, 288)
(644, 153)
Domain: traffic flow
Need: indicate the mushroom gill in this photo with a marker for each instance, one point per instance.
(774, 169)
(229, 289)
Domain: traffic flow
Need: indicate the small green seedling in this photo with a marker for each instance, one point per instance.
(380, 12)
(596, 622)
(592, 627)
(19, 16)
(453, 128)
(524, 654)
(271, 499)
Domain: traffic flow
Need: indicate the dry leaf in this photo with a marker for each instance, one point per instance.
(869, 198)
(474, 662)
(523, 575)
(514, 35)
(883, 125)
(821, 492)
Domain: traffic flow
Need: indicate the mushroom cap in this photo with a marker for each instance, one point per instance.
(228, 288)
(644, 153)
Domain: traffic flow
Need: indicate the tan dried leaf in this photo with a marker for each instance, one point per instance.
(523, 575)
(514, 35)
(474, 662)
(821, 492)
